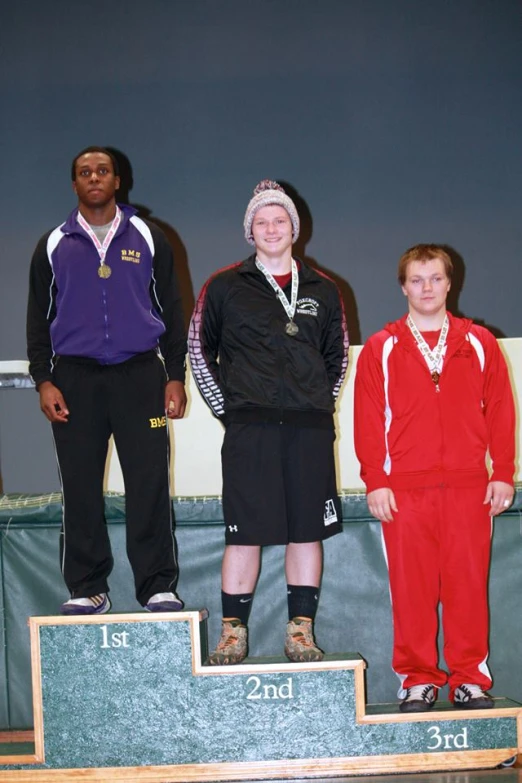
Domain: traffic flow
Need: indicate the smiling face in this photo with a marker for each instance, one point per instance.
(272, 231)
(426, 287)
(95, 182)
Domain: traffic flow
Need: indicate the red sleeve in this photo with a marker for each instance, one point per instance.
(369, 415)
(499, 410)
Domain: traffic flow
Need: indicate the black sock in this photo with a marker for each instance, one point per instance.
(302, 601)
(237, 605)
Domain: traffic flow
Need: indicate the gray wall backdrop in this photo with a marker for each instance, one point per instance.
(396, 121)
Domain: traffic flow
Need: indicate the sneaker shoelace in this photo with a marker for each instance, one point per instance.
(304, 639)
(230, 641)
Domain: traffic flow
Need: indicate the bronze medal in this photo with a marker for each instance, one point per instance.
(291, 329)
(435, 377)
(104, 271)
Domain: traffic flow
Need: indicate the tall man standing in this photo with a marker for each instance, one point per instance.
(268, 348)
(432, 398)
(106, 347)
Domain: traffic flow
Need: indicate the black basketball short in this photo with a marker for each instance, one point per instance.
(279, 484)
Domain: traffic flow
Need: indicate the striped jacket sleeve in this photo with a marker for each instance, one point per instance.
(337, 345)
(335, 341)
(203, 345)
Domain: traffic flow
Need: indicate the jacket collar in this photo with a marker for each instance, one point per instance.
(458, 330)
(71, 225)
(306, 273)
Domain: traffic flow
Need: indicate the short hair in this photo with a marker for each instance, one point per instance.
(104, 150)
(424, 253)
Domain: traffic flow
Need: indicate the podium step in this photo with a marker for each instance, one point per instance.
(129, 697)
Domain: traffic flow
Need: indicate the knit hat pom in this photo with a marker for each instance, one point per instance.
(267, 184)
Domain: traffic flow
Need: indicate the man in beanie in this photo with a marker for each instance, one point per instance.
(268, 347)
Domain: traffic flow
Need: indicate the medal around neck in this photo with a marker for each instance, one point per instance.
(289, 307)
(104, 271)
(434, 359)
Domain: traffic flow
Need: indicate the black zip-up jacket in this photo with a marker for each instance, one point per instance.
(248, 368)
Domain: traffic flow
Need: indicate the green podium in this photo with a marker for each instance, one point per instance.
(129, 697)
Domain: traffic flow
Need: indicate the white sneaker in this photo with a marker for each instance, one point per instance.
(94, 604)
(164, 602)
(419, 698)
(471, 697)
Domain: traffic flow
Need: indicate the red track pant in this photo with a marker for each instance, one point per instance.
(438, 550)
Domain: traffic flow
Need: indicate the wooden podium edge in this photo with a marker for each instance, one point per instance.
(281, 770)
(194, 618)
(36, 675)
(204, 772)
(445, 715)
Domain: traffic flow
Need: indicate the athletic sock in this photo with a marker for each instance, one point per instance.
(237, 605)
(302, 601)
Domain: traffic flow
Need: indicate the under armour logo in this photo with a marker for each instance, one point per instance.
(232, 528)
(330, 514)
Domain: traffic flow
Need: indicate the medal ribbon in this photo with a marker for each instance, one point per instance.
(291, 305)
(433, 359)
(101, 248)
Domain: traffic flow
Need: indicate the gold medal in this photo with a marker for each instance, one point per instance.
(104, 271)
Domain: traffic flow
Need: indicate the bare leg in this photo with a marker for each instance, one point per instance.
(240, 569)
(304, 563)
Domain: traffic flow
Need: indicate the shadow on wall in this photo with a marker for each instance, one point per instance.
(305, 234)
(457, 284)
(178, 248)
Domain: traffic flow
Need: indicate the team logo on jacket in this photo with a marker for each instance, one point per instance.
(462, 353)
(307, 306)
(131, 255)
(330, 514)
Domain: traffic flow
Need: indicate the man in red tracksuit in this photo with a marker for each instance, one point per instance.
(432, 400)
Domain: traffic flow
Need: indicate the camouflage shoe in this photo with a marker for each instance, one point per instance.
(232, 646)
(300, 645)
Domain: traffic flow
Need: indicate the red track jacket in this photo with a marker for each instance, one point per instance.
(408, 434)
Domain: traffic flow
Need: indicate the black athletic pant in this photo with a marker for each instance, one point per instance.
(126, 400)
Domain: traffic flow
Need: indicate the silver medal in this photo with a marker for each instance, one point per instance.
(291, 328)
